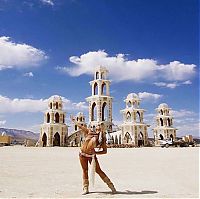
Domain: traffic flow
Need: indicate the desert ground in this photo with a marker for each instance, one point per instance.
(30, 172)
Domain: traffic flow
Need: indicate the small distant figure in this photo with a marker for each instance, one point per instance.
(88, 154)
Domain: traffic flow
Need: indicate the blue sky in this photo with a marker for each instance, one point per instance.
(51, 47)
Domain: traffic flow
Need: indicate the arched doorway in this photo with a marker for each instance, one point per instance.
(127, 138)
(141, 139)
(56, 139)
(104, 112)
(172, 137)
(57, 117)
(44, 140)
(94, 112)
(161, 137)
(120, 139)
(116, 139)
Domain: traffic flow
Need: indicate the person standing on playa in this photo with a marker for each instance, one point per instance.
(88, 154)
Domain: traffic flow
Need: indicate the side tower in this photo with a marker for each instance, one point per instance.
(100, 102)
(80, 118)
(54, 131)
(134, 130)
(164, 124)
(77, 137)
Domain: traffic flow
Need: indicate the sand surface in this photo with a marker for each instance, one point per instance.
(136, 173)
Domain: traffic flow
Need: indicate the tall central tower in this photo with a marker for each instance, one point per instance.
(100, 102)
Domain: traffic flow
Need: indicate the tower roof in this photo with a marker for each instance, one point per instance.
(80, 114)
(56, 98)
(101, 68)
(163, 106)
(132, 96)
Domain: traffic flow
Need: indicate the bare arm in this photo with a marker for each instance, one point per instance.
(104, 151)
(84, 129)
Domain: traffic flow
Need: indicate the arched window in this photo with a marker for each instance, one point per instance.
(94, 112)
(161, 112)
(81, 119)
(169, 122)
(161, 121)
(138, 119)
(127, 138)
(129, 103)
(128, 117)
(95, 89)
(104, 112)
(97, 75)
(51, 105)
(102, 76)
(103, 89)
(57, 118)
(56, 105)
(48, 118)
(75, 127)
(63, 119)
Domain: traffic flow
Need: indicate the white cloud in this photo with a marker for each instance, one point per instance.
(2, 122)
(17, 55)
(29, 74)
(16, 105)
(149, 96)
(121, 68)
(48, 2)
(177, 71)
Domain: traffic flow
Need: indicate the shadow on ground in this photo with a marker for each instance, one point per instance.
(127, 192)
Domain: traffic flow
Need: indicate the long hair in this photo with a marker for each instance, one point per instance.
(102, 136)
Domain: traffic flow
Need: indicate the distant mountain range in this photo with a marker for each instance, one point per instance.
(20, 135)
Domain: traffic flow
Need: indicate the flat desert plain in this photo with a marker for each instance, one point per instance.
(30, 172)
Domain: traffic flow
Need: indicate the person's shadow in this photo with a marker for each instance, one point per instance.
(127, 192)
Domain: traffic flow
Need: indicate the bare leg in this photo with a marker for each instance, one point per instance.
(103, 176)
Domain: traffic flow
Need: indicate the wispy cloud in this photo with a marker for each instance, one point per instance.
(172, 85)
(122, 69)
(17, 105)
(48, 2)
(17, 55)
(29, 74)
(2, 122)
